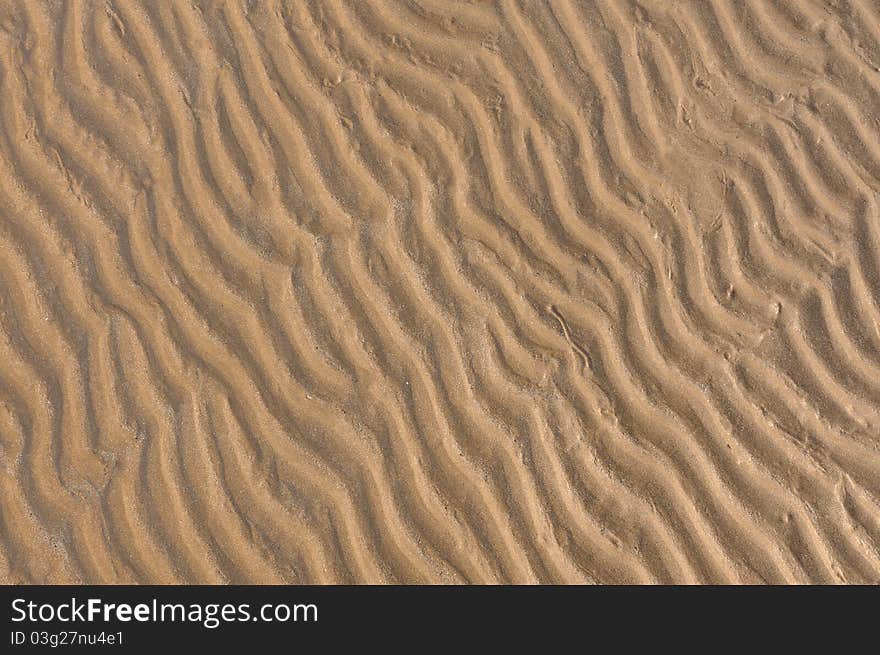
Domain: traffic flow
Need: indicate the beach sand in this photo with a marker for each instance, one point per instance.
(416, 291)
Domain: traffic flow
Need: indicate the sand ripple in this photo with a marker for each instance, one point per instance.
(420, 291)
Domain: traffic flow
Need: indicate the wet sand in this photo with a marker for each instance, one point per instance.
(415, 291)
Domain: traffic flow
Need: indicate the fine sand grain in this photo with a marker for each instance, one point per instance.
(425, 291)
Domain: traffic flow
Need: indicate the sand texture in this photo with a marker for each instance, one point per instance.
(418, 291)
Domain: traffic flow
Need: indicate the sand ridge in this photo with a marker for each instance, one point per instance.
(418, 291)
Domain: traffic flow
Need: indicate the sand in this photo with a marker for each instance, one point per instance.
(416, 291)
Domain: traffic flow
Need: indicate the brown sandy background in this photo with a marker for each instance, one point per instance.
(423, 291)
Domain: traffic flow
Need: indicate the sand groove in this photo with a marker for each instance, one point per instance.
(416, 291)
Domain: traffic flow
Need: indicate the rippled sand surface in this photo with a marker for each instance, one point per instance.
(421, 291)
